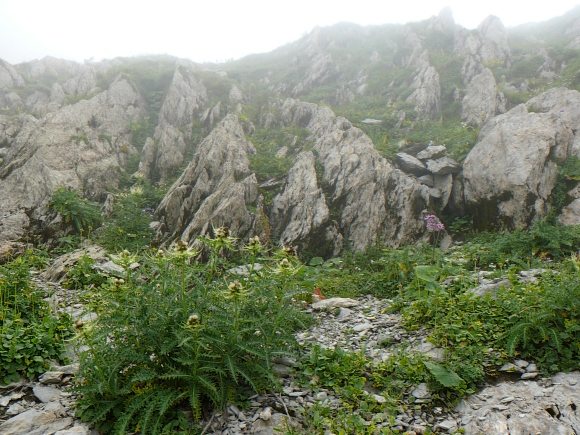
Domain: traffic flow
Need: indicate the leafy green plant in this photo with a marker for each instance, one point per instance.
(77, 212)
(128, 226)
(30, 334)
(546, 327)
(171, 341)
(82, 275)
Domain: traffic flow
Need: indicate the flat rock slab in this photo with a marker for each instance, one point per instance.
(26, 422)
(328, 304)
(46, 394)
(547, 407)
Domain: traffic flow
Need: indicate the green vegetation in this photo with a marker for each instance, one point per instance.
(31, 334)
(537, 320)
(128, 225)
(265, 163)
(177, 335)
(180, 335)
(79, 213)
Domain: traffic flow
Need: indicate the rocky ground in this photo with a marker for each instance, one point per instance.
(529, 405)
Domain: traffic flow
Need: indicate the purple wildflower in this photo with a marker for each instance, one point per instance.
(433, 223)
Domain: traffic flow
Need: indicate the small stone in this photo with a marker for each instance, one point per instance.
(447, 425)
(362, 327)
(4, 401)
(418, 429)
(532, 368)
(500, 407)
(432, 152)
(46, 394)
(509, 368)
(266, 414)
(421, 391)
(51, 377)
(379, 399)
(110, 268)
(56, 408)
(344, 314)
(286, 361)
(281, 370)
(322, 395)
(298, 393)
(529, 376)
(521, 363)
(15, 409)
(331, 303)
(75, 430)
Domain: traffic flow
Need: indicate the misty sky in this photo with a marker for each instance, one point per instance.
(217, 30)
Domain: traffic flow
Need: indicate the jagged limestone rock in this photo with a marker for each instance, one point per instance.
(300, 210)
(183, 102)
(9, 77)
(494, 46)
(482, 99)
(370, 200)
(426, 95)
(63, 149)
(510, 173)
(216, 189)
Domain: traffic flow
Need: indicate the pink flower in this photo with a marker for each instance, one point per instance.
(433, 223)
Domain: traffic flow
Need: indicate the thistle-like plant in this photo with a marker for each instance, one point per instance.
(175, 339)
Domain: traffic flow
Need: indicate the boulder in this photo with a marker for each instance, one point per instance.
(410, 164)
(60, 266)
(432, 152)
(443, 166)
(510, 173)
(570, 214)
(482, 99)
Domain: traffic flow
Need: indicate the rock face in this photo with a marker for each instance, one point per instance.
(340, 193)
(81, 146)
(482, 99)
(525, 407)
(426, 89)
(301, 209)
(163, 154)
(9, 77)
(427, 92)
(371, 201)
(216, 189)
(511, 171)
(488, 45)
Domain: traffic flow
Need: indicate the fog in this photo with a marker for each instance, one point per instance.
(216, 30)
